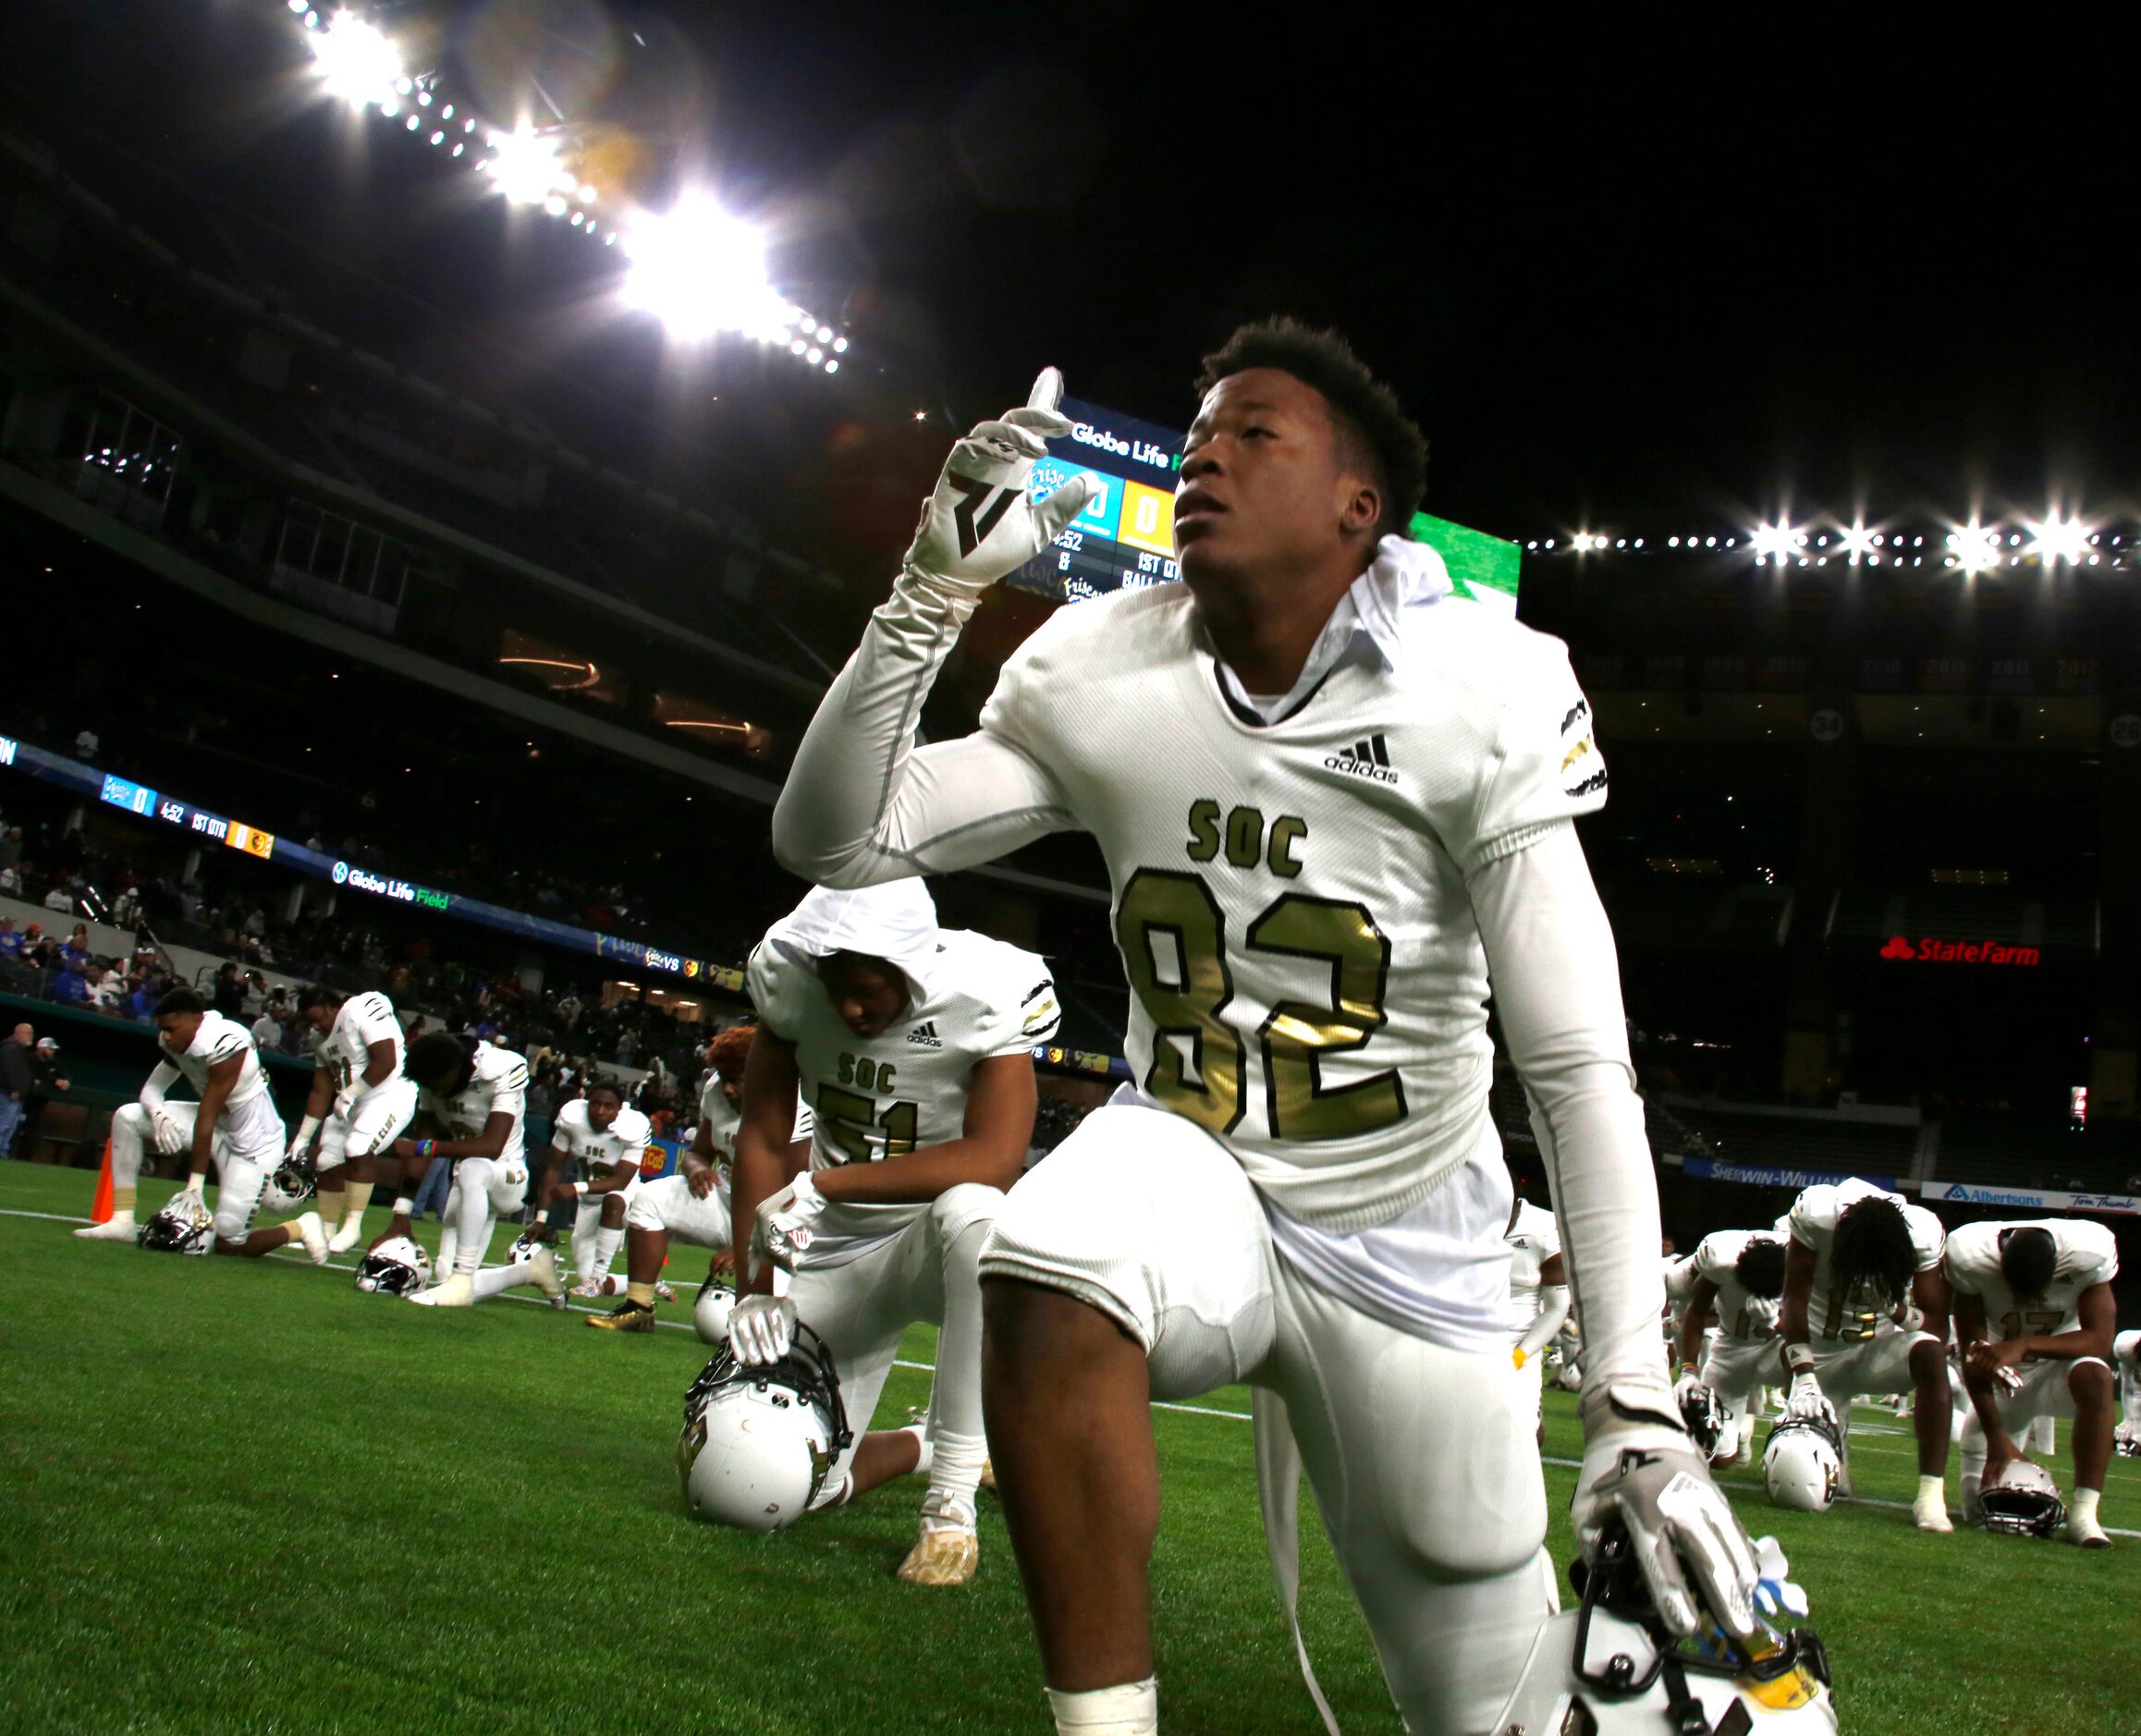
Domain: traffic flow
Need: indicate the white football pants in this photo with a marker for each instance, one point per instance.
(375, 1121)
(1422, 1458)
(248, 1150)
(484, 1190)
(927, 1271)
(670, 1205)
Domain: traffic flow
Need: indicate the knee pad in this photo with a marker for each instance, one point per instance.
(641, 1213)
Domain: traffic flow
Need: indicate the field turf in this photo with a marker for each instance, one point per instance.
(244, 1496)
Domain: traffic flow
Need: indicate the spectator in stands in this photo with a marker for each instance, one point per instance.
(109, 991)
(86, 743)
(59, 898)
(141, 1000)
(267, 1032)
(77, 943)
(11, 880)
(18, 1074)
(230, 993)
(10, 941)
(47, 1077)
(70, 987)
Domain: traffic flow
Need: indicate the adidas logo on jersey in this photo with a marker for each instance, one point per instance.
(925, 1034)
(1368, 757)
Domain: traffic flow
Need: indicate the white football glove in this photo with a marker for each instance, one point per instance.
(1640, 1466)
(1689, 1380)
(785, 1224)
(169, 1136)
(761, 1329)
(979, 524)
(1806, 1399)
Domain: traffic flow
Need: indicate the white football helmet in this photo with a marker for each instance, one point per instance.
(398, 1267)
(710, 1313)
(1608, 1667)
(2023, 1503)
(2126, 1441)
(184, 1225)
(1704, 1417)
(1802, 1463)
(524, 1248)
(289, 1188)
(759, 1443)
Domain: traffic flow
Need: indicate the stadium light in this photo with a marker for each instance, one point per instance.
(1859, 543)
(699, 270)
(1975, 547)
(523, 167)
(355, 60)
(1775, 541)
(2059, 539)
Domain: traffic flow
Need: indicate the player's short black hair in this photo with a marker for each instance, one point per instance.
(603, 1081)
(2028, 1259)
(1760, 1268)
(180, 1000)
(1373, 431)
(1873, 1244)
(319, 995)
(435, 1056)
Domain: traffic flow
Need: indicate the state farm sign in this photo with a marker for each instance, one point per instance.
(1928, 950)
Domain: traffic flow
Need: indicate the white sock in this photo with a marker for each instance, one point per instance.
(585, 1227)
(472, 1230)
(1933, 1492)
(2082, 1509)
(1129, 1711)
(607, 1242)
(920, 1433)
(954, 1463)
(501, 1277)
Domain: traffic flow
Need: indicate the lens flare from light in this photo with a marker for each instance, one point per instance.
(699, 270)
(356, 61)
(2057, 539)
(1775, 542)
(1975, 546)
(523, 167)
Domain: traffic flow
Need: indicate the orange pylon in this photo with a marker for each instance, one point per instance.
(101, 1212)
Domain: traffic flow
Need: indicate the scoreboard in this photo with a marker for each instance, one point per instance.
(1125, 537)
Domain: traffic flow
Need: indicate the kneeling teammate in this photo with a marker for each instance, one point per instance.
(1538, 1292)
(233, 1125)
(471, 1109)
(914, 1046)
(359, 1104)
(694, 1205)
(1737, 1275)
(607, 1142)
(2035, 1317)
(1861, 1261)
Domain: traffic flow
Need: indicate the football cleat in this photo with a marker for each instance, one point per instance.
(456, 1292)
(347, 1237)
(1929, 1513)
(759, 1444)
(593, 1293)
(627, 1316)
(120, 1228)
(941, 1555)
(665, 1291)
(1802, 1463)
(312, 1233)
(2023, 1501)
(2087, 1532)
(184, 1225)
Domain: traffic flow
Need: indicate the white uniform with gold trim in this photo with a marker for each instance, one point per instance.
(872, 1271)
(1741, 1352)
(2088, 1254)
(670, 1205)
(377, 1115)
(597, 1152)
(498, 1086)
(1304, 1189)
(1857, 1345)
(248, 1133)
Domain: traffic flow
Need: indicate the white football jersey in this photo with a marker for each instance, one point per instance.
(906, 1088)
(722, 1121)
(499, 1086)
(1741, 1314)
(2088, 1254)
(1830, 1313)
(624, 1140)
(1532, 1239)
(1308, 983)
(345, 1051)
(217, 1040)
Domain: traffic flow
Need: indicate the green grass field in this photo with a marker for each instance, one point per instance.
(245, 1497)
